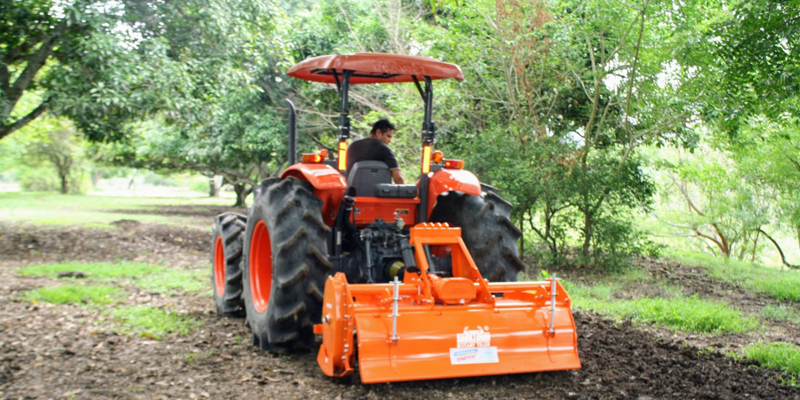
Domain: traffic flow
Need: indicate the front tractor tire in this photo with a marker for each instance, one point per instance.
(285, 266)
(487, 230)
(226, 257)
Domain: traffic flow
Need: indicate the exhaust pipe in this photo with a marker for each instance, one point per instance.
(292, 133)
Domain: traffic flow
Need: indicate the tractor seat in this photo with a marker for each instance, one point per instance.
(373, 179)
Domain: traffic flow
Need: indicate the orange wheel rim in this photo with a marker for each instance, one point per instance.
(260, 266)
(219, 266)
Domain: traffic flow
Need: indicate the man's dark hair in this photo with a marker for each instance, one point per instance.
(383, 125)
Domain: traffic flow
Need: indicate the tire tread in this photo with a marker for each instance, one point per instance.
(486, 229)
(293, 215)
(229, 227)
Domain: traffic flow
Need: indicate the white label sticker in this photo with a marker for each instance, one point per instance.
(474, 338)
(475, 355)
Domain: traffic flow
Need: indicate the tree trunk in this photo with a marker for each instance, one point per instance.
(726, 250)
(780, 251)
(552, 242)
(64, 183)
(213, 190)
(755, 245)
(96, 178)
(547, 236)
(241, 193)
(587, 233)
(63, 166)
(521, 238)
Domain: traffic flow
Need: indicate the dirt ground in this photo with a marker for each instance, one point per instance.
(63, 351)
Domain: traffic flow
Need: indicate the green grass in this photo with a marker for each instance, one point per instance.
(153, 278)
(784, 357)
(606, 285)
(95, 271)
(153, 322)
(136, 320)
(94, 211)
(780, 313)
(688, 314)
(170, 280)
(78, 294)
(772, 282)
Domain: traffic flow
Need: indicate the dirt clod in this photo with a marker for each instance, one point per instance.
(72, 274)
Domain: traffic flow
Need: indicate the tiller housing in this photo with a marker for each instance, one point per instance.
(428, 327)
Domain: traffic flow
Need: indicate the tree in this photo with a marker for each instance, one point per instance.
(705, 197)
(47, 154)
(29, 37)
(105, 64)
(245, 144)
(564, 94)
(755, 50)
(219, 66)
(767, 154)
(60, 47)
(63, 149)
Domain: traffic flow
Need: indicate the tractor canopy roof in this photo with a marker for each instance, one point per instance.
(373, 68)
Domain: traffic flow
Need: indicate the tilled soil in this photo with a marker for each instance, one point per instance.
(168, 244)
(63, 351)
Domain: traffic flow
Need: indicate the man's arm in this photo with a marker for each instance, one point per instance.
(397, 176)
(394, 166)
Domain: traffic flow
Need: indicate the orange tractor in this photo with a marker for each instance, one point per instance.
(394, 277)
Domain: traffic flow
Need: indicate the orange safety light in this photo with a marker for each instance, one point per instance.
(438, 156)
(342, 155)
(312, 158)
(315, 158)
(426, 159)
(454, 164)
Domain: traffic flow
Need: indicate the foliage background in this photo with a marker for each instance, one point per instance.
(614, 127)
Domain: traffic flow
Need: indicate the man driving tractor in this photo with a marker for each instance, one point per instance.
(376, 147)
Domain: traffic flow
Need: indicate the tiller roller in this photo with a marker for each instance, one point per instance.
(424, 326)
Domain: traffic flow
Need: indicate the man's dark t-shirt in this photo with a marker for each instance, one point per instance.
(370, 149)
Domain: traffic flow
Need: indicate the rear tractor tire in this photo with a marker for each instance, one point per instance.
(285, 266)
(226, 257)
(487, 230)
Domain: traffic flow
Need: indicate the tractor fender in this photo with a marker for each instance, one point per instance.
(449, 180)
(329, 185)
